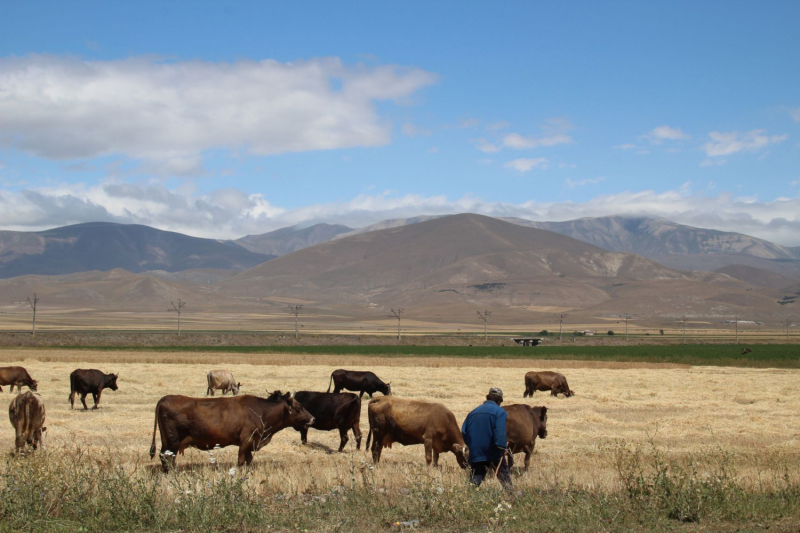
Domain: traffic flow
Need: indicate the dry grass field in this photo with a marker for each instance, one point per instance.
(702, 412)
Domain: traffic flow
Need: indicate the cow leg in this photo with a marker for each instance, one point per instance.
(245, 454)
(83, 401)
(377, 447)
(337, 388)
(435, 458)
(343, 438)
(357, 435)
(304, 435)
(72, 399)
(528, 452)
(96, 398)
(429, 451)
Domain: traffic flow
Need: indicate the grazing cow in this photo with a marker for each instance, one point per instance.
(222, 380)
(207, 423)
(553, 381)
(523, 425)
(26, 413)
(16, 376)
(92, 381)
(330, 410)
(409, 422)
(358, 382)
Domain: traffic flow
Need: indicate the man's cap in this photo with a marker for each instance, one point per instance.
(496, 391)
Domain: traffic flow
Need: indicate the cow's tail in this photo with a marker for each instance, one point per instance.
(330, 383)
(155, 426)
(71, 396)
(369, 437)
(208, 379)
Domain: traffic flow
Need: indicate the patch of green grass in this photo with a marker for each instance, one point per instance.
(762, 356)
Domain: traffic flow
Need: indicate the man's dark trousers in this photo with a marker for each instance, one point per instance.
(480, 469)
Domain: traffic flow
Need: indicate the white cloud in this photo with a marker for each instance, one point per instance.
(497, 126)
(713, 162)
(412, 130)
(170, 112)
(526, 164)
(665, 133)
(627, 146)
(555, 133)
(581, 183)
(229, 213)
(795, 113)
(727, 143)
(433, 150)
(486, 147)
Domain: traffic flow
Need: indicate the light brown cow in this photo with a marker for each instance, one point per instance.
(523, 425)
(16, 376)
(393, 419)
(553, 381)
(26, 413)
(222, 380)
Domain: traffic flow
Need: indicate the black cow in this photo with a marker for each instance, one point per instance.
(90, 381)
(332, 411)
(358, 382)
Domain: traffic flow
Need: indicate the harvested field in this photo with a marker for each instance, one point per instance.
(705, 412)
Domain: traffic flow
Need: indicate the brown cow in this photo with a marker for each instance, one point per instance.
(26, 413)
(553, 381)
(393, 419)
(523, 425)
(16, 376)
(222, 380)
(207, 423)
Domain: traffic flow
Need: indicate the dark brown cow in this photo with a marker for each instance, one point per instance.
(523, 425)
(330, 410)
(553, 381)
(409, 422)
(16, 376)
(222, 380)
(91, 381)
(360, 382)
(26, 413)
(207, 423)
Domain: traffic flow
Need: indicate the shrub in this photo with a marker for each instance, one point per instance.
(544, 333)
(610, 332)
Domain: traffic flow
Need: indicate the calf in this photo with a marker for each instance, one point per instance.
(26, 413)
(222, 380)
(330, 410)
(415, 422)
(543, 381)
(358, 382)
(16, 376)
(92, 381)
(207, 423)
(523, 425)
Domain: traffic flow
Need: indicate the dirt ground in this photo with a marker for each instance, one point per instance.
(750, 414)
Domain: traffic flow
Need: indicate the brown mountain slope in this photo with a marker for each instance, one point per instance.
(758, 277)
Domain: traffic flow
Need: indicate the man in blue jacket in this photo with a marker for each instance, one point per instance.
(484, 433)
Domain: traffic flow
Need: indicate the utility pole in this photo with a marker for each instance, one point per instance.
(560, 322)
(33, 306)
(295, 310)
(736, 323)
(177, 309)
(787, 329)
(684, 329)
(627, 317)
(397, 314)
(485, 317)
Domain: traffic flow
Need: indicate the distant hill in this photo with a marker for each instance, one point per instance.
(287, 240)
(757, 277)
(390, 223)
(105, 246)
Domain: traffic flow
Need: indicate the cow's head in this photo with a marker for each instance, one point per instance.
(462, 455)
(540, 417)
(387, 389)
(33, 386)
(111, 381)
(299, 418)
(236, 388)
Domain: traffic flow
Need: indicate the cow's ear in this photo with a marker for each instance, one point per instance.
(544, 414)
(287, 396)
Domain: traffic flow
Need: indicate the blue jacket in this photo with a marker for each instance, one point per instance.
(484, 432)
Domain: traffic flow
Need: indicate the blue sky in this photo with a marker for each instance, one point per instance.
(224, 119)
